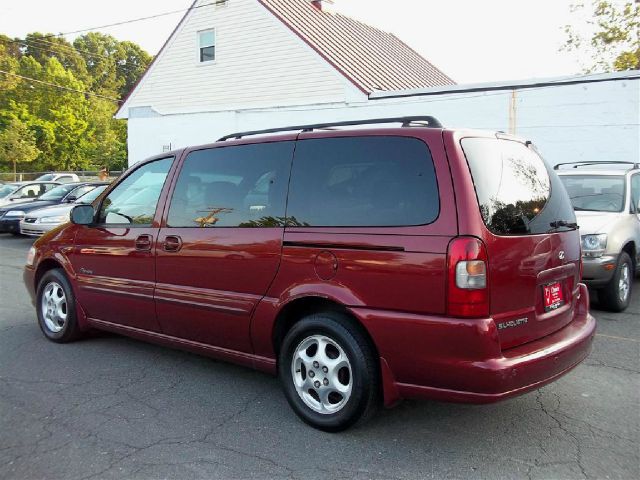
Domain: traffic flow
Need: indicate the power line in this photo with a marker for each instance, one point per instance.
(61, 87)
(69, 48)
(140, 19)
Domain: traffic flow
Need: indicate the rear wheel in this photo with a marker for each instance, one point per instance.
(329, 372)
(56, 308)
(617, 294)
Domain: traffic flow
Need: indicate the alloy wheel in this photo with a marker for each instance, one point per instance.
(54, 307)
(623, 283)
(322, 374)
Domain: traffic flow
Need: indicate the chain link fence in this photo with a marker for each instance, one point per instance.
(85, 175)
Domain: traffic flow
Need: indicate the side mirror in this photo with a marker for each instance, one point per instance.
(82, 215)
(70, 199)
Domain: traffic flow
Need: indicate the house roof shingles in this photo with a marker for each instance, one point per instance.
(370, 58)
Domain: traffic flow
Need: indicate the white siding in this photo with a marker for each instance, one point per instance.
(259, 63)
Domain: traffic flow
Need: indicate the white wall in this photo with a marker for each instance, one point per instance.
(588, 121)
(259, 63)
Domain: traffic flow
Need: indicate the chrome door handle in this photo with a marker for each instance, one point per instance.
(143, 243)
(172, 243)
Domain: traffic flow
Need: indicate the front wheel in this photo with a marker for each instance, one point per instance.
(616, 296)
(56, 307)
(329, 372)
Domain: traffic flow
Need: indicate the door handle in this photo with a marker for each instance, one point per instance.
(143, 243)
(172, 243)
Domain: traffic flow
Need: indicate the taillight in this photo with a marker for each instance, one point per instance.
(468, 294)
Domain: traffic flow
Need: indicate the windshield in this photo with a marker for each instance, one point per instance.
(6, 190)
(594, 193)
(46, 177)
(91, 195)
(57, 193)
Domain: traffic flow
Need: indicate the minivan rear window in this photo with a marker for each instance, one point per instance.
(514, 188)
(362, 182)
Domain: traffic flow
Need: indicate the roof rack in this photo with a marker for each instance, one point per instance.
(633, 165)
(430, 122)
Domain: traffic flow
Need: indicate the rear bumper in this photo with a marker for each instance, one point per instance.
(466, 363)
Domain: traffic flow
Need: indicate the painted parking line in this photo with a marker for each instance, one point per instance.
(617, 338)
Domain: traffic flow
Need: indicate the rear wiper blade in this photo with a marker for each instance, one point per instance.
(563, 223)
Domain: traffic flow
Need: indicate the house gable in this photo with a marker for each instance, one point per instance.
(259, 63)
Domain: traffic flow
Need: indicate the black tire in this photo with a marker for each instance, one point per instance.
(363, 376)
(69, 331)
(610, 296)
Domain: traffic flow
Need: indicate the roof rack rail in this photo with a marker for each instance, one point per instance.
(633, 165)
(430, 121)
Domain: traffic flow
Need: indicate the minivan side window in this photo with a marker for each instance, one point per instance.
(133, 202)
(517, 193)
(238, 186)
(363, 182)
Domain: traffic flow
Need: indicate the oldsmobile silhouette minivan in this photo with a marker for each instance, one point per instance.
(362, 266)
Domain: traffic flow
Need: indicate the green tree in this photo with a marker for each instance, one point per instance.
(50, 88)
(609, 36)
(100, 53)
(9, 64)
(17, 144)
(41, 47)
(132, 62)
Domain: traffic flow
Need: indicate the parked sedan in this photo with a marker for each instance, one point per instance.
(59, 177)
(39, 222)
(21, 192)
(10, 215)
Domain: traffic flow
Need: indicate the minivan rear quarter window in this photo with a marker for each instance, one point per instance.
(363, 182)
(517, 193)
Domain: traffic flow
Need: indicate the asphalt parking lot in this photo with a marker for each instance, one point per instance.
(111, 407)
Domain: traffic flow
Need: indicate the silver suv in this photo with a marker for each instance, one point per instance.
(606, 198)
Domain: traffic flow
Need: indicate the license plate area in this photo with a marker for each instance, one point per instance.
(553, 296)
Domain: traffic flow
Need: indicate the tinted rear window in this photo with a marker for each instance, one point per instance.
(514, 187)
(363, 182)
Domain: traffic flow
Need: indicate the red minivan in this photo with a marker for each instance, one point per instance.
(361, 266)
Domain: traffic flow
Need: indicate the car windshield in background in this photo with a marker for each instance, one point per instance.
(6, 190)
(91, 195)
(595, 193)
(58, 193)
(48, 177)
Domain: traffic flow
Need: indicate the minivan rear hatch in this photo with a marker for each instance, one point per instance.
(531, 236)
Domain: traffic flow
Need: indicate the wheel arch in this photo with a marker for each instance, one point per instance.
(631, 248)
(297, 309)
(43, 267)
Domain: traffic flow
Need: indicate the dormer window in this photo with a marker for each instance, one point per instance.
(207, 45)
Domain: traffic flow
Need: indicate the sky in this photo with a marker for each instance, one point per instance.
(472, 41)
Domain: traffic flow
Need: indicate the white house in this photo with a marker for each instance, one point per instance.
(237, 65)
